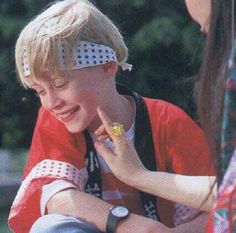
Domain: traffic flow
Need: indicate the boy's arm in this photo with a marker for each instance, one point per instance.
(95, 211)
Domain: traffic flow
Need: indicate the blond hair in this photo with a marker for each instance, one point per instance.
(70, 21)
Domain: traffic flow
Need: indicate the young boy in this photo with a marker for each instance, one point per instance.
(69, 55)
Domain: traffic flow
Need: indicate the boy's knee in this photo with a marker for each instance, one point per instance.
(56, 223)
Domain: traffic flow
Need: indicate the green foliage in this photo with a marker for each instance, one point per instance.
(3, 221)
(160, 30)
(164, 47)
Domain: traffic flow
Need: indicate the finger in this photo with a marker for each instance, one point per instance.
(101, 138)
(100, 131)
(104, 151)
(107, 123)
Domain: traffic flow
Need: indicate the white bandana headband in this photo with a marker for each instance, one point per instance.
(85, 54)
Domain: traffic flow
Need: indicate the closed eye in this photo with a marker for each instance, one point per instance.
(60, 85)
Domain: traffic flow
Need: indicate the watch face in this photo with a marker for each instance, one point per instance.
(120, 211)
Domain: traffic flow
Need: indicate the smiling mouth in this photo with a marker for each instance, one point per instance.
(66, 116)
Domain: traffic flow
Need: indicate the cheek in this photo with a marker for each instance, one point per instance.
(88, 94)
(91, 102)
(87, 101)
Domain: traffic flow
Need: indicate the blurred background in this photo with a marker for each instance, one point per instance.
(165, 47)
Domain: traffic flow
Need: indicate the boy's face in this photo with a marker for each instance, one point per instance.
(200, 11)
(73, 99)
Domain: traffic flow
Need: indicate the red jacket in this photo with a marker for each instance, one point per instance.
(180, 147)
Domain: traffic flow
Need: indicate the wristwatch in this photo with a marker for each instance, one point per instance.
(116, 214)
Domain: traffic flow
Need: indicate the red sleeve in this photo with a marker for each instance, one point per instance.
(186, 146)
(51, 140)
(52, 147)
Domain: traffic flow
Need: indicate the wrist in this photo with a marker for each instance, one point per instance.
(116, 215)
(139, 224)
(137, 180)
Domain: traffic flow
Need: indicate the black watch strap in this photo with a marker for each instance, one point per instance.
(111, 223)
(113, 219)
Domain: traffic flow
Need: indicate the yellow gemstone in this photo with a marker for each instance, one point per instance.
(117, 129)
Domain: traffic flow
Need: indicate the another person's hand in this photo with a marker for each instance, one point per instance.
(124, 162)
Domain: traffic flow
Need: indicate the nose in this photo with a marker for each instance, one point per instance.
(52, 101)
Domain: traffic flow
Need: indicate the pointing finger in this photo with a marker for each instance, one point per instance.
(107, 123)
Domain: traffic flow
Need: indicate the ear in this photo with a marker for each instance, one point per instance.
(110, 69)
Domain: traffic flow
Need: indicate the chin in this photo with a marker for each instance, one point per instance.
(78, 124)
(75, 128)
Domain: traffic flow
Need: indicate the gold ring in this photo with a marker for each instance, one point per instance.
(117, 129)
